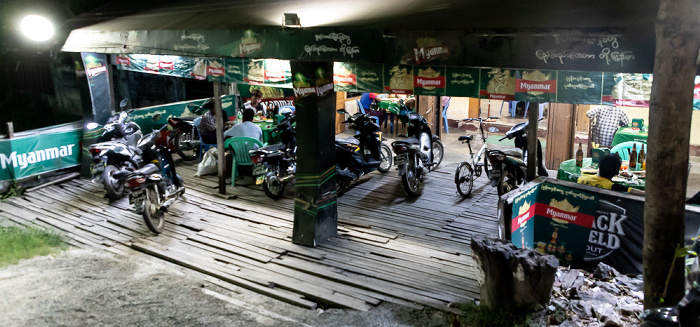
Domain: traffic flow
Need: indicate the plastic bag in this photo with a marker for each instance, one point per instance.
(208, 165)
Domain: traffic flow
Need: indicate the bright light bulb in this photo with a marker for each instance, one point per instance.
(36, 28)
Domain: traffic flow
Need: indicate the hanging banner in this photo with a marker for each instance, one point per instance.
(234, 69)
(344, 77)
(277, 72)
(254, 72)
(271, 96)
(329, 44)
(215, 70)
(398, 79)
(497, 84)
(579, 87)
(429, 81)
(632, 90)
(98, 81)
(420, 48)
(608, 86)
(23, 157)
(154, 64)
(536, 86)
(370, 77)
(462, 82)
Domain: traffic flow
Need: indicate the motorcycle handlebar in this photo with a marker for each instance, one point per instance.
(503, 138)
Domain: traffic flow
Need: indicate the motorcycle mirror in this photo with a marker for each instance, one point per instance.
(342, 111)
(156, 117)
(493, 129)
(123, 103)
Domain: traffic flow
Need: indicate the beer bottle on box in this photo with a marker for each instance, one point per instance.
(579, 156)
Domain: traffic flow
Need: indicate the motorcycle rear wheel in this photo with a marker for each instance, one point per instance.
(272, 186)
(412, 183)
(115, 189)
(438, 152)
(464, 179)
(155, 219)
(186, 146)
(387, 159)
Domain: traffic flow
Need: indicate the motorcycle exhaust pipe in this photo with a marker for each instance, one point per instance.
(286, 178)
(166, 204)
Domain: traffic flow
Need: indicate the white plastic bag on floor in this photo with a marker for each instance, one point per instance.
(208, 165)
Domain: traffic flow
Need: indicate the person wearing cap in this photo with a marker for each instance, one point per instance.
(608, 167)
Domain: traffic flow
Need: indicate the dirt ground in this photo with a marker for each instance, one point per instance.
(97, 288)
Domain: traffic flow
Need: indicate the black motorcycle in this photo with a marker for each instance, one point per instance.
(275, 165)
(155, 186)
(361, 154)
(419, 153)
(116, 150)
(509, 167)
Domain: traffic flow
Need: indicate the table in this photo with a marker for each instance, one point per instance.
(625, 134)
(568, 171)
(267, 126)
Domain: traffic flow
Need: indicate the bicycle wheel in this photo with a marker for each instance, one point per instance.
(464, 179)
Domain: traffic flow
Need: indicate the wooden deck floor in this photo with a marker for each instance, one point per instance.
(411, 251)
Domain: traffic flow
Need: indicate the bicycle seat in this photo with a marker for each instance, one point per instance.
(465, 138)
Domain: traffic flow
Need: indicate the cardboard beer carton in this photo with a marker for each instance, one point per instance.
(555, 220)
(638, 123)
(598, 153)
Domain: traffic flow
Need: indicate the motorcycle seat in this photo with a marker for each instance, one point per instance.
(148, 169)
(408, 141)
(349, 140)
(514, 152)
(273, 147)
(465, 138)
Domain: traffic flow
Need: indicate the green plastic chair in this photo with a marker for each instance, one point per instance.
(623, 149)
(240, 147)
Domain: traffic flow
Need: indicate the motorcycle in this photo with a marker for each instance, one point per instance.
(419, 153)
(182, 138)
(155, 186)
(361, 154)
(275, 164)
(116, 150)
(509, 167)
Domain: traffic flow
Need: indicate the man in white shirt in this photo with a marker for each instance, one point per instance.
(255, 104)
(246, 128)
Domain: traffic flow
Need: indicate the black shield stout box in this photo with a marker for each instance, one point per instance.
(555, 220)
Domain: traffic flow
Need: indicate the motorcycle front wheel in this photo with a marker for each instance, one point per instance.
(155, 219)
(509, 181)
(387, 159)
(186, 146)
(412, 183)
(115, 188)
(272, 186)
(464, 179)
(438, 152)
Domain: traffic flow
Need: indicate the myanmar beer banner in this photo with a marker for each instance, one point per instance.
(579, 87)
(497, 84)
(37, 153)
(271, 96)
(462, 82)
(429, 81)
(536, 85)
(398, 79)
(351, 77)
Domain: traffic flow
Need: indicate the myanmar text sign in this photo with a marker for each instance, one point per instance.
(27, 156)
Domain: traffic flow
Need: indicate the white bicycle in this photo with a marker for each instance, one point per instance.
(468, 170)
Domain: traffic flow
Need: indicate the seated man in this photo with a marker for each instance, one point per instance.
(207, 124)
(247, 128)
(255, 104)
(608, 167)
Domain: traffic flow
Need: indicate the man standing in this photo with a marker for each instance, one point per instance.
(607, 120)
(247, 128)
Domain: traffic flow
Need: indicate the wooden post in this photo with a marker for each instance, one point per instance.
(534, 111)
(10, 130)
(220, 137)
(670, 111)
(560, 134)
